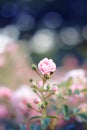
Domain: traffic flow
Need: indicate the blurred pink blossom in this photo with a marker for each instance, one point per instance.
(77, 75)
(3, 111)
(61, 121)
(76, 86)
(70, 62)
(5, 92)
(22, 97)
(76, 98)
(11, 47)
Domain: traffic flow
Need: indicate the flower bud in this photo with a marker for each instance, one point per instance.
(31, 80)
(47, 76)
(29, 105)
(55, 89)
(37, 100)
(48, 87)
(34, 67)
(34, 84)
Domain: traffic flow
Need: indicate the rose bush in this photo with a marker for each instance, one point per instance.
(48, 107)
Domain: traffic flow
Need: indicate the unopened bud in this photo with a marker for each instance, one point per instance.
(55, 89)
(34, 67)
(29, 105)
(34, 84)
(48, 87)
(31, 80)
(43, 105)
(37, 100)
(47, 76)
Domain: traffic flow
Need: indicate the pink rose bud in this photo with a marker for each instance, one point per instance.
(40, 84)
(37, 100)
(46, 66)
(55, 89)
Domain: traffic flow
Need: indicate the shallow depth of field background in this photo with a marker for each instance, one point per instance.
(33, 29)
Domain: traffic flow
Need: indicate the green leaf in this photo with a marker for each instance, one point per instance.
(67, 117)
(69, 91)
(44, 123)
(69, 82)
(52, 117)
(77, 92)
(48, 86)
(34, 90)
(34, 117)
(76, 110)
(83, 90)
(83, 116)
(65, 110)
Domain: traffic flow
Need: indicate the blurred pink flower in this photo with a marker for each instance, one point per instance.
(3, 111)
(46, 66)
(70, 62)
(77, 75)
(21, 97)
(12, 48)
(61, 121)
(5, 92)
(76, 86)
(76, 98)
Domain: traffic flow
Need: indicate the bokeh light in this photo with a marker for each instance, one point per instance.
(4, 41)
(11, 31)
(70, 36)
(43, 41)
(25, 22)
